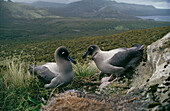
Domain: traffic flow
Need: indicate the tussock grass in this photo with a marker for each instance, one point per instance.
(84, 71)
(16, 75)
(18, 89)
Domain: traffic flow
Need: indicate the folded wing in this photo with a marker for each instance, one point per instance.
(127, 57)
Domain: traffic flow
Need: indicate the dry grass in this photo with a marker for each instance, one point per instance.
(16, 74)
(71, 102)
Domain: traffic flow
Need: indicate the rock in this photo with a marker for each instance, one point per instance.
(154, 75)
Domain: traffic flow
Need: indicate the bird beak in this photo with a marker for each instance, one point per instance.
(72, 60)
(84, 56)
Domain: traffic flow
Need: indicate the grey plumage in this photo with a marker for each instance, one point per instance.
(127, 57)
(115, 61)
(56, 74)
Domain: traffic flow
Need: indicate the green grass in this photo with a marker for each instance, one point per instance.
(84, 71)
(44, 51)
(18, 89)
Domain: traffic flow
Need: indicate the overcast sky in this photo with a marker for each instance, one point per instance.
(157, 3)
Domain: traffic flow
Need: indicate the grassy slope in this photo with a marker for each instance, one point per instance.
(43, 51)
(25, 93)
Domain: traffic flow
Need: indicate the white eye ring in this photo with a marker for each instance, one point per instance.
(91, 48)
(63, 53)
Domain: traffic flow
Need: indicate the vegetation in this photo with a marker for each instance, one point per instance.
(21, 91)
(44, 51)
(50, 29)
(82, 71)
(86, 75)
(18, 87)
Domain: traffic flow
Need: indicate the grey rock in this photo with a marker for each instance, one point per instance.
(155, 74)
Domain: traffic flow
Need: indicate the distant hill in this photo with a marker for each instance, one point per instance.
(90, 9)
(11, 10)
(106, 9)
(100, 9)
(139, 10)
(42, 4)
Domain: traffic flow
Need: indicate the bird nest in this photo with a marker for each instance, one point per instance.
(76, 101)
(73, 100)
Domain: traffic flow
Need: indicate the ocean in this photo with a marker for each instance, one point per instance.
(165, 18)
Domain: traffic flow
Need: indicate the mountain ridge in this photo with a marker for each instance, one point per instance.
(18, 10)
(100, 9)
(42, 4)
(90, 9)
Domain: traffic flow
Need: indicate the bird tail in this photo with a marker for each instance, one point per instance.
(31, 69)
(140, 48)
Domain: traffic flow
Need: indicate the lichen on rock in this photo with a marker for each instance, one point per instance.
(153, 77)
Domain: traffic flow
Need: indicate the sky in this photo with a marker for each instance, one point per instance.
(163, 4)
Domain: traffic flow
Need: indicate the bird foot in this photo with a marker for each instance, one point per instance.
(115, 79)
(105, 82)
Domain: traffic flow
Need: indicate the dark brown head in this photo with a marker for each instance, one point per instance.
(62, 53)
(91, 50)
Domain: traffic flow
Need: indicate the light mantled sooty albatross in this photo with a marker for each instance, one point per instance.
(115, 61)
(57, 74)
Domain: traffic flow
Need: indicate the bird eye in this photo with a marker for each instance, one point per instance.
(63, 53)
(91, 48)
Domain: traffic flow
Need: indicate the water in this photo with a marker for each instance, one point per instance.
(165, 18)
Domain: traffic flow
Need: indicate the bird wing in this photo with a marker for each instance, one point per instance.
(52, 67)
(123, 58)
(109, 54)
(44, 73)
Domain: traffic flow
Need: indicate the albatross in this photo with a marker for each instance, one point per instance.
(56, 74)
(115, 61)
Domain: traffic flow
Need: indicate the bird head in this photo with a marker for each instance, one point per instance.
(62, 53)
(91, 50)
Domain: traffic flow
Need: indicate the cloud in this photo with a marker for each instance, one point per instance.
(156, 3)
(58, 1)
(162, 5)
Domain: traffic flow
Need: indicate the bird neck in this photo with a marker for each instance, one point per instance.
(64, 66)
(98, 58)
